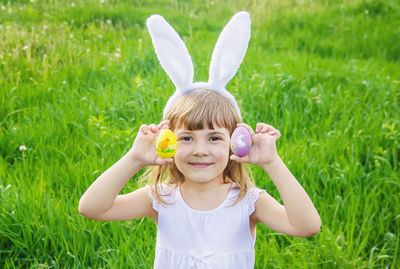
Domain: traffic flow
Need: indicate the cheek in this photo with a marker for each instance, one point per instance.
(179, 160)
(223, 152)
(178, 155)
(181, 152)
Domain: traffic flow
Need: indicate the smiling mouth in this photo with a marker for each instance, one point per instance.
(200, 165)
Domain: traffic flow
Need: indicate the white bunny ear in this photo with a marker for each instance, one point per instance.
(229, 50)
(171, 52)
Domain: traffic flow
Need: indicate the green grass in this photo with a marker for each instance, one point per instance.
(78, 78)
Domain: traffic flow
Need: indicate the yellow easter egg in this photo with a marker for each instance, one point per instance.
(166, 144)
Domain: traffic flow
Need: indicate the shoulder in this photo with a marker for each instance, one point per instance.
(252, 198)
(161, 194)
(160, 189)
(248, 199)
(141, 195)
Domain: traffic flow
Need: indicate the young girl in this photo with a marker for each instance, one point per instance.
(203, 202)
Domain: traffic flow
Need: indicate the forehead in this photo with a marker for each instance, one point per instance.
(199, 124)
(204, 130)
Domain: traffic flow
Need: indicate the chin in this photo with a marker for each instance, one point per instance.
(200, 179)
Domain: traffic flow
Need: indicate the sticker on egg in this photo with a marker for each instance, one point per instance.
(166, 144)
(241, 143)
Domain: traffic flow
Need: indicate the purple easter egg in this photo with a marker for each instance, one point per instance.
(241, 142)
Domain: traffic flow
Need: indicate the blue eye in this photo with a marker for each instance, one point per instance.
(215, 138)
(186, 138)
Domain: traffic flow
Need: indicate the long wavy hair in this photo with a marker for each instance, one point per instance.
(191, 111)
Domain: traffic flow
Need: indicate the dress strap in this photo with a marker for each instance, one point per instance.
(251, 197)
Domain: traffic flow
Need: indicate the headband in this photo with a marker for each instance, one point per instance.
(226, 58)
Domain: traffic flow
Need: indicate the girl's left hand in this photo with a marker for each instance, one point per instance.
(264, 145)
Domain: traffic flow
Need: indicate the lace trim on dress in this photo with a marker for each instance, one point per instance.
(252, 196)
(165, 192)
(156, 203)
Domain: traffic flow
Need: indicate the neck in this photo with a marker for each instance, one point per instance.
(203, 187)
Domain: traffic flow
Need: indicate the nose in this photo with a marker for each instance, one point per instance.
(200, 149)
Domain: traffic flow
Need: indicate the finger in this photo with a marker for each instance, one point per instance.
(153, 128)
(264, 128)
(259, 127)
(248, 128)
(276, 134)
(144, 129)
(271, 129)
(164, 124)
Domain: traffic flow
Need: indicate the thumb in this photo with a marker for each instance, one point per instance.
(161, 161)
(238, 159)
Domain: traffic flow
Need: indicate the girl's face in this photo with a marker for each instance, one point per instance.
(202, 155)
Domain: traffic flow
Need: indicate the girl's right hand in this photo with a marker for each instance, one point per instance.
(143, 149)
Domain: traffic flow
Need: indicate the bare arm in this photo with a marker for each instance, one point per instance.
(101, 200)
(298, 216)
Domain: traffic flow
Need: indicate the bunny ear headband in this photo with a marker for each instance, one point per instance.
(227, 56)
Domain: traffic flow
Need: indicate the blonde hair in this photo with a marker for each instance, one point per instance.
(191, 111)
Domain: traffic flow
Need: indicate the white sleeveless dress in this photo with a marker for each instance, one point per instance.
(218, 238)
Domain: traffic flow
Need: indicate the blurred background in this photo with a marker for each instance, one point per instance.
(78, 78)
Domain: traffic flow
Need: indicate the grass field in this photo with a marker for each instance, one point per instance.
(77, 79)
